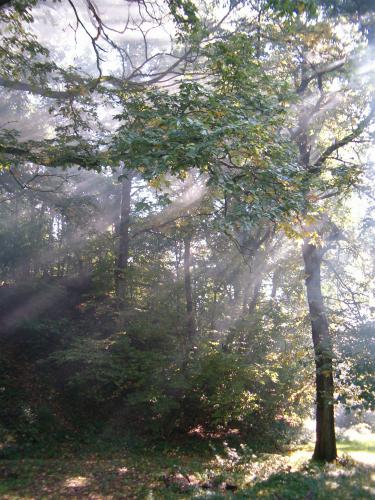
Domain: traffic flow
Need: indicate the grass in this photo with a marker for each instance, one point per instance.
(156, 474)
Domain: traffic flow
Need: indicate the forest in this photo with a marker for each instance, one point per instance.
(187, 240)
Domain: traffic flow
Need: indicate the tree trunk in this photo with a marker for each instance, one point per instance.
(121, 280)
(275, 282)
(190, 319)
(255, 296)
(254, 282)
(325, 446)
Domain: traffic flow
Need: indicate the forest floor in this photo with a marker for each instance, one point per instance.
(217, 471)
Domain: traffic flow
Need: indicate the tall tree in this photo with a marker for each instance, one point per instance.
(316, 158)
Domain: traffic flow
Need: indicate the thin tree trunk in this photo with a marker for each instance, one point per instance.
(213, 311)
(178, 256)
(190, 319)
(275, 282)
(121, 279)
(61, 263)
(246, 296)
(254, 282)
(255, 296)
(325, 445)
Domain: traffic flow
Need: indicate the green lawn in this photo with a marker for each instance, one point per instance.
(206, 473)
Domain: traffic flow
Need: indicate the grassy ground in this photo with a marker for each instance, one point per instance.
(214, 471)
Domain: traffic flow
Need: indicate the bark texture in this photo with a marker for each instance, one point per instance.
(325, 445)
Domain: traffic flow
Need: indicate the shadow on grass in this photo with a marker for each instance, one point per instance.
(93, 478)
(329, 482)
(136, 479)
(138, 473)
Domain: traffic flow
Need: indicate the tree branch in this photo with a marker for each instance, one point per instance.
(318, 73)
(337, 144)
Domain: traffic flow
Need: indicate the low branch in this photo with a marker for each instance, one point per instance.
(158, 225)
(34, 89)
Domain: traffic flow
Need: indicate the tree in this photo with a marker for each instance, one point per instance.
(307, 135)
